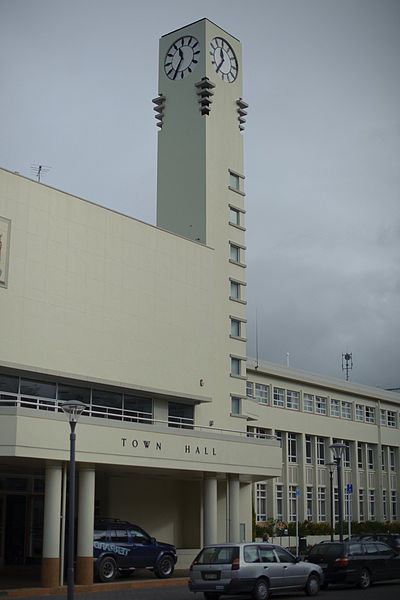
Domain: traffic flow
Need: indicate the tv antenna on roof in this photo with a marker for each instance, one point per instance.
(40, 170)
(257, 363)
(347, 363)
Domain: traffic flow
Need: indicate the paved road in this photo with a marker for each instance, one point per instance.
(390, 591)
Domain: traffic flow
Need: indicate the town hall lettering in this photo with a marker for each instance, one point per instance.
(187, 448)
(197, 450)
(136, 443)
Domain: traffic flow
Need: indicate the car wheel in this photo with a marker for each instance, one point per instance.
(365, 579)
(107, 569)
(211, 595)
(261, 590)
(164, 567)
(312, 585)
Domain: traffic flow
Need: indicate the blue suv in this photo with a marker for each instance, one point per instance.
(121, 547)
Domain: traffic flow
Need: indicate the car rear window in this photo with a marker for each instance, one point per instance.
(383, 549)
(355, 549)
(217, 555)
(328, 550)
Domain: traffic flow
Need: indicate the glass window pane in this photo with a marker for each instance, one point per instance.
(235, 366)
(235, 253)
(234, 216)
(138, 404)
(175, 409)
(102, 398)
(236, 402)
(234, 181)
(43, 389)
(235, 290)
(235, 328)
(8, 383)
(69, 392)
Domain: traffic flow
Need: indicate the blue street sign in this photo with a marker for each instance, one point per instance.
(297, 492)
(349, 488)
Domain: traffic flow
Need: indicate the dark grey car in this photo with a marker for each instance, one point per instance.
(256, 568)
(356, 562)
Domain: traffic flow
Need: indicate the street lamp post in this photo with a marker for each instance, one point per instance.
(73, 409)
(332, 466)
(337, 450)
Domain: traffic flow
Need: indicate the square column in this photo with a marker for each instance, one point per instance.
(84, 559)
(210, 508)
(234, 526)
(51, 526)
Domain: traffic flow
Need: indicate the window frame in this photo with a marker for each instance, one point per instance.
(292, 399)
(370, 414)
(360, 413)
(292, 447)
(236, 405)
(320, 405)
(322, 517)
(308, 401)
(263, 397)
(321, 450)
(309, 449)
(278, 398)
(261, 502)
(346, 410)
(334, 407)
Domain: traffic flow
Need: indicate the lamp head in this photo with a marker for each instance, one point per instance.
(73, 409)
(331, 466)
(338, 450)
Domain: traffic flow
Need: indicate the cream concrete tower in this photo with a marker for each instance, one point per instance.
(200, 195)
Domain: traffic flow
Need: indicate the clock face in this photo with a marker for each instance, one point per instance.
(182, 57)
(224, 60)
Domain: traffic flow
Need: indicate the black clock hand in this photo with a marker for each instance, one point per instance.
(221, 55)
(180, 62)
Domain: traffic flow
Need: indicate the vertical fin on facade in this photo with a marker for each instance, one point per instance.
(205, 93)
(241, 113)
(159, 109)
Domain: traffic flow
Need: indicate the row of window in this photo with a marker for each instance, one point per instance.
(48, 395)
(366, 453)
(320, 405)
(236, 287)
(316, 507)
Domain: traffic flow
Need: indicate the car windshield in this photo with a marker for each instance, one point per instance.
(217, 555)
(328, 550)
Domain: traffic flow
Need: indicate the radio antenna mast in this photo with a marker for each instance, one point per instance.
(257, 365)
(39, 170)
(347, 363)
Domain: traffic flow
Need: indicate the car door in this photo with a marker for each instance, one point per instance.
(374, 561)
(144, 549)
(294, 572)
(391, 560)
(119, 545)
(271, 566)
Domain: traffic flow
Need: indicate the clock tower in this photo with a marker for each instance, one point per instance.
(200, 113)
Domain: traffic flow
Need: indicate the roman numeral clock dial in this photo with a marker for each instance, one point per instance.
(182, 58)
(224, 60)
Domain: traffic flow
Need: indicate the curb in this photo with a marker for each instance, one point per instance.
(95, 587)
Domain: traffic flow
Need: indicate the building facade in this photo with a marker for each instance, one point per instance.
(145, 325)
(308, 413)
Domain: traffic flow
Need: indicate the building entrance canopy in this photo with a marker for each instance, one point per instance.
(26, 433)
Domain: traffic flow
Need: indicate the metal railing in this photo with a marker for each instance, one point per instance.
(123, 414)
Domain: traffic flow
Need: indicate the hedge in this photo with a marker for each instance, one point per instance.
(276, 528)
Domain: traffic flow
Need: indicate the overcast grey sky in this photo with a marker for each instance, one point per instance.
(322, 150)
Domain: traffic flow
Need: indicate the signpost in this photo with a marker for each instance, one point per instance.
(297, 521)
(349, 490)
